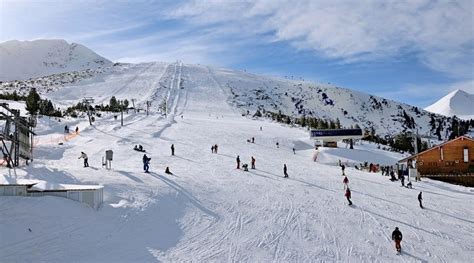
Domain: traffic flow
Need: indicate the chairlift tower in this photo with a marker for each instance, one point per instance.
(88, 101)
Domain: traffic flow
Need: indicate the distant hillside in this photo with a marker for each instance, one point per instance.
(21, 60)
(458, 102)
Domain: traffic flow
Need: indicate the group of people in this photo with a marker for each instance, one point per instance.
(66, 129)
(214, 148)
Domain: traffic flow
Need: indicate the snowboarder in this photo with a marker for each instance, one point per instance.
(285, 171)
(252, 162)
(420, 198)
(86, 160)
(294, 151)
(345, 181)
(348, 195)
(397, 237)
(343, 167)
(77, 129)
(253, 140)
(167, 170)
(146, 163)
(238, 162)
(172, 149)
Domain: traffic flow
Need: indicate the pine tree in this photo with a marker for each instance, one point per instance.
(114, 106)
(32, 102)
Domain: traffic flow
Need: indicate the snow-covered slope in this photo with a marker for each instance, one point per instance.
(21, 60)
(208, 211)
(244, 91)
(458, 102)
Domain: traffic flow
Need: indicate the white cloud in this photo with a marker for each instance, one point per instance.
(440, 33)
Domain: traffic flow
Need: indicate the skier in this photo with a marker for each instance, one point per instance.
(345, 181)
(146, 163)
(252, 162)
(86, 160)
(285, 171)
(278, 145)
(77, 129)
(253, 140)
(343, 167)
(348, 195)
(172, 149)
(246, 167)
(402, 180)
(397, 237)
(294, 151)
(420, 198)
(238, 162)
(215, 148)
(66, 129)
(167, 170)
(260, 128)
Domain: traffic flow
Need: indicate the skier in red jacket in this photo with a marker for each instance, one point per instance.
(345, 181)
(348, 195)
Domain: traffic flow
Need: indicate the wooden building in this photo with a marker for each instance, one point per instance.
(452, 157)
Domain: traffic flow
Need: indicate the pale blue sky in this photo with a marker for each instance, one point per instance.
(414, 51)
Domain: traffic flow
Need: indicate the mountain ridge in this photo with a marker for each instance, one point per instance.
(456, 103)
(21, 60)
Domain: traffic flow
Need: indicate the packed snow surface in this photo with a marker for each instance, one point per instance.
(458, 102)
(21, 60)
(207, 210)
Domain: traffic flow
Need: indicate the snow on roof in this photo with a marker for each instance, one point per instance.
(9, 180)
(47, 186)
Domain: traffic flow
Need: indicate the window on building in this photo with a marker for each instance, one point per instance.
(466, 155)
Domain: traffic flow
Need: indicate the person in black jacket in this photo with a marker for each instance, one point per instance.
(397, 237)
(420, 198)
(285, 173)
(172, 149)
(238, 162)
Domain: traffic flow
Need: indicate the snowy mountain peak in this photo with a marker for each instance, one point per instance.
(458, 102)
(28, 59)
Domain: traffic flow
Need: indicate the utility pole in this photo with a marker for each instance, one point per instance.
(88, 101)
(133, 103)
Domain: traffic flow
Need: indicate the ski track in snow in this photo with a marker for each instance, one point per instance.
(210, 211)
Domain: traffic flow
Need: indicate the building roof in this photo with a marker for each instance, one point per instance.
(11, 181)
(435, 147)
(44, 186)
